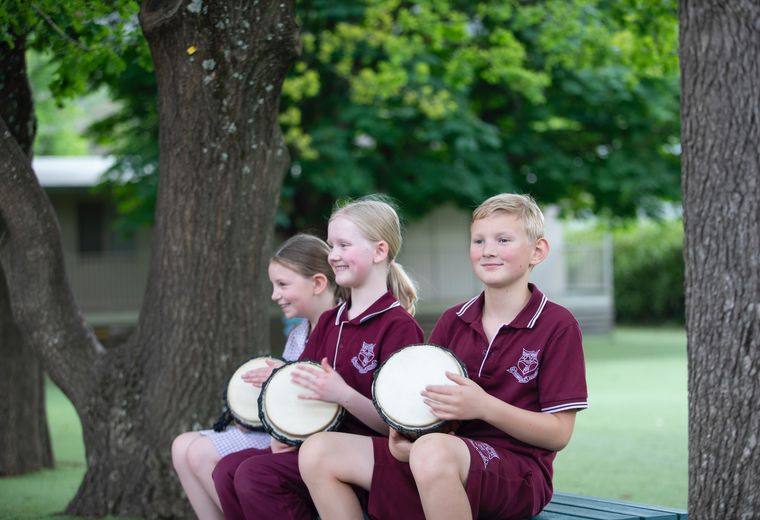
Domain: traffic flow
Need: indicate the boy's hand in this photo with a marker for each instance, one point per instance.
(257, 376)
(324, 383)
(399, 446)
(464, 401)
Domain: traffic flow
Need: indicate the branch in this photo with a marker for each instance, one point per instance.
(58, 29)
(31, 256)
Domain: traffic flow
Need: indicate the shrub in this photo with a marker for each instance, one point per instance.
(649, 273)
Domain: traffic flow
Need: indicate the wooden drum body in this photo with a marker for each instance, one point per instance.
(242, 398)
(400, 379)
(286, 417)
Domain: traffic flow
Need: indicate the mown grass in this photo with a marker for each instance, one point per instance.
(630, 444)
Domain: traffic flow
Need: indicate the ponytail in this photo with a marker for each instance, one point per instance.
(376, 218)
(402, 287)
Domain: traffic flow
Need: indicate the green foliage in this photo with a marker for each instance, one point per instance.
(60, 124)
(131, 134)
(573, 101)
(87, 38)
(649, 273)
(452, 101)
(86, 46)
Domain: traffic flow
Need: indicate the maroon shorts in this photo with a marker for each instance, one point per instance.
(500, 485)
(255, 484)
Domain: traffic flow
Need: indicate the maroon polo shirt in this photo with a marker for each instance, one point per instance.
(355, 348)
(535, 362)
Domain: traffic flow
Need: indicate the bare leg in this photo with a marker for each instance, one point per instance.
(194, 457)
(440, 464)
(330, 463)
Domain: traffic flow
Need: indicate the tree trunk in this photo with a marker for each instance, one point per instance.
(206, 308)
(24, 439)
(720, 66)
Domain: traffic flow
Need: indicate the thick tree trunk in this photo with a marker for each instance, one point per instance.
(720, 65)
(24, 439)
(220, 71)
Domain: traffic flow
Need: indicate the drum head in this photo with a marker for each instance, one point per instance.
(286, 417)
(400, 379)
(243, 398)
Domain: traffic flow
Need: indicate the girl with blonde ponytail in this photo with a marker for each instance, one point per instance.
(350, 342)
(378, 221)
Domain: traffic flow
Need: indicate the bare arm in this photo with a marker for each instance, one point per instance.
(467, 400)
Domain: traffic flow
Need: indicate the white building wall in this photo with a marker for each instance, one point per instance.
(436, 255)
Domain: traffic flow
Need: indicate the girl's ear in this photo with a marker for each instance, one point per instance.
(381, 251)
(319, 282)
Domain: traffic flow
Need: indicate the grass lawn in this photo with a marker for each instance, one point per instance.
(630, 443)
(38, 495)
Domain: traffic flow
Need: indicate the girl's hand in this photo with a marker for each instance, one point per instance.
(399, 446)
(466, 400)
(280, 447)
(257, 376)
(324, 383)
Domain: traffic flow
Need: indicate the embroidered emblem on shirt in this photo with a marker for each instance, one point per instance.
(527, 366)
(365, 360)
(486, 451)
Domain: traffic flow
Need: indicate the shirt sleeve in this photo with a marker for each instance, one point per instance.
(401, 333)
(314, 344)
(296, 341)
(562, 379)
(440, 334)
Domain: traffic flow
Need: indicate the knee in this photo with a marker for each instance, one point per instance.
(180, 445)
(432, 459)
(313, 456)
(201, 455)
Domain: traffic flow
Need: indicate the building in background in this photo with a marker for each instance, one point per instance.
(108, 272)
(575, 275)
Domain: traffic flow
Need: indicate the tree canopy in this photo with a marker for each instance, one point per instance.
(573, 101)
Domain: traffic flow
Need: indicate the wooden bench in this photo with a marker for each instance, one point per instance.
(565, 506)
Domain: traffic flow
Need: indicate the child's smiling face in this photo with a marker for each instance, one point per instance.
(500, 251)
(351, 256)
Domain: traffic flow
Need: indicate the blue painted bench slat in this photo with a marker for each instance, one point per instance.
(566, 506)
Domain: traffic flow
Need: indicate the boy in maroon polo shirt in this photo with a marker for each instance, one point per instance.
(517, 409)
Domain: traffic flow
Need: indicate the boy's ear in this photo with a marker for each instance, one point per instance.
(381, 251)
(319, 282)
(540, 251)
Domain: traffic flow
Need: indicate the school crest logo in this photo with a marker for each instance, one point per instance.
(365, 360)
(486, 451)
(527, 366)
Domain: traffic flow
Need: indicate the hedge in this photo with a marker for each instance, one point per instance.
(649, 273)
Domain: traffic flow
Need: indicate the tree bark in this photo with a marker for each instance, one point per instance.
(720, 66)
(220, 67)
(24, 438)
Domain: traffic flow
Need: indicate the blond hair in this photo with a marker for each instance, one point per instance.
(523, 207)
(377, 220)
(307, 255)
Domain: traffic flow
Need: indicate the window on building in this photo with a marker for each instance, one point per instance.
(96, 233)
